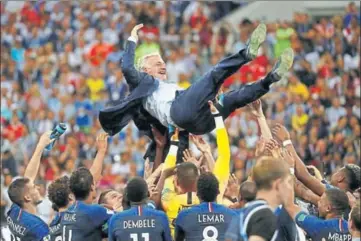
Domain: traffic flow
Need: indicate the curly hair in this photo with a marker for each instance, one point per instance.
(80, 183)
(58, 193)
(136, 190)
(207, 187)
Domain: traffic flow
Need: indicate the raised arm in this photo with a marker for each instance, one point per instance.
(167, 188)
(221, 167)
(32, 168)
(306, 194)
(131, 74)
(301, 171)
(97, 167)
(204, 147)
(160, 141)
(256, 110)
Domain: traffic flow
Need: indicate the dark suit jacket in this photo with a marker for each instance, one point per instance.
(141, 85)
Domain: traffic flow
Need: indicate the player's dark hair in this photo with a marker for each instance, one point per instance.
(207, 187)
(80, 183)
(338, 200)
(187, 175)
(16, 191)
(356, 216)
(58, 193)
(248, 191)
(102, 195)
(353, 176)
(136, 190)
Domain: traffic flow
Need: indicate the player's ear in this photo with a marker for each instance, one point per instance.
(27, 198)
(71, 197)
(277, 184)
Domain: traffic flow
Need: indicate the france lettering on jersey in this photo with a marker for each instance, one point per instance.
(335, 229)
(25, 226)
(139, 223)
(206, 221)
(84, 222)
(55, 233)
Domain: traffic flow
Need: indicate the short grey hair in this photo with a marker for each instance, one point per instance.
(143, 60)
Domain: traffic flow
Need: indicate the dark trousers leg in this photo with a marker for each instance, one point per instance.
(245, 95)
(190, 103)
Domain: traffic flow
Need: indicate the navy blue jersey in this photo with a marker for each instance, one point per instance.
(139, 223)
(55, 233)
(255, 219)
(287, 230)
(323, 230)
(84, 222)
(206, 221)
(25, 226)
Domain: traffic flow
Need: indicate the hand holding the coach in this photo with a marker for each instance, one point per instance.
(256, 108)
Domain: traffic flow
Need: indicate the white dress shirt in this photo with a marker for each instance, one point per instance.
(159, 102)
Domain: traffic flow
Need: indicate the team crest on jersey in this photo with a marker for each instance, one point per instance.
(301, 217)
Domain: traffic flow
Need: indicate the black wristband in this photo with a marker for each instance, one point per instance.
(174, 143)
(234, 200)
(216, 115)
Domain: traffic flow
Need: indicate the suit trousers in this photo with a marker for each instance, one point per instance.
(190, 110)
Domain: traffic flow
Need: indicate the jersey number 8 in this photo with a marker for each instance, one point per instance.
(210, 233)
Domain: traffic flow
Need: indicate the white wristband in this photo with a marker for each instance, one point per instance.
(131, 38)
(219, 122)
(286, 143)
(173, 150)
(292, 170)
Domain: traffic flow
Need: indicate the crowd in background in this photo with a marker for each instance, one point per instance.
(60, 63)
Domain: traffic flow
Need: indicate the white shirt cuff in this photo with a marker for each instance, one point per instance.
(131, 38)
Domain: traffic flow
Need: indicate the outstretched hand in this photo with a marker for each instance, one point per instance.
(201, 144)
(102, 141)
(135, 30)
(281, 133)
(256, 108)
(189, 157)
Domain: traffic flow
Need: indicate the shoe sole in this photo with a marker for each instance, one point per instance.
(257, 38)
(286, 61)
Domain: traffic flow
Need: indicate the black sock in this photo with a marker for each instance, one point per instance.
(270, 79)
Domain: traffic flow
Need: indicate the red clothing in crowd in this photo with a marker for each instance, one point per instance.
(150, 29)
(30, 14)
(257, 68)
(99, 52)
(14, 131)
(195, 20)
